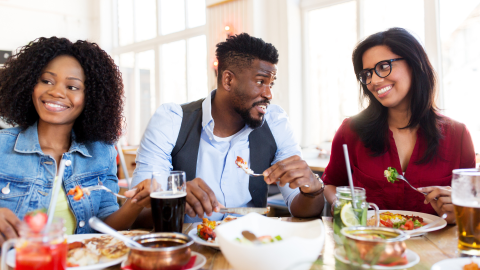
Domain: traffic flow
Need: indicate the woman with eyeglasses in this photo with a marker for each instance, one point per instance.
(400, 128)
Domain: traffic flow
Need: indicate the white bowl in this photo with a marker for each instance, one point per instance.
(302, 242)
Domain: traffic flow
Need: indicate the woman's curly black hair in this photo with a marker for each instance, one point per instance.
(102, 118)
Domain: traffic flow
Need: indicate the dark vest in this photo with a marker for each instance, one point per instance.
(262, 150)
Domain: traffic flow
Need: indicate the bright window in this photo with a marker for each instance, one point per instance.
(332, 30)
(460, 40)
(172, 16)
(162, 54)
(333, 92)
(145, 20)
(173, 72)
(379, 15)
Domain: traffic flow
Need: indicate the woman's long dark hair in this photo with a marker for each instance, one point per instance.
(371, 124)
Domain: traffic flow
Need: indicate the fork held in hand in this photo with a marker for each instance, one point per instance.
(404, 179)
(101, 187)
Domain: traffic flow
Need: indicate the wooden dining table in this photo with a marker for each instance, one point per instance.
(431, 247)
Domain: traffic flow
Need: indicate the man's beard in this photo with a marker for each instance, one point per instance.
(245, 113)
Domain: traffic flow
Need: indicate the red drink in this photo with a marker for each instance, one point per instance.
(41, 256)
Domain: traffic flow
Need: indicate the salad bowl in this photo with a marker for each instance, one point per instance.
(300, 242)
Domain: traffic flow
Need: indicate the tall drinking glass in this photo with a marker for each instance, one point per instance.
(168, 195)
(466, 202)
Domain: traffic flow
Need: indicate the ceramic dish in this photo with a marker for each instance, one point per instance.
(301, 242)
(454, 264)
(200, 261)
(193, 234)
(427, 218)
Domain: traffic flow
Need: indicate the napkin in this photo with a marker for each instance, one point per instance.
(185, 267)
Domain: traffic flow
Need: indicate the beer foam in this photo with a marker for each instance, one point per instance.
(167, 194)
(474, 203)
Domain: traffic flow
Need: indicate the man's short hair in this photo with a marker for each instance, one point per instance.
(239, 51)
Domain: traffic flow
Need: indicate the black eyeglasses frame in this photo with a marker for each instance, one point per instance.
(375, 69)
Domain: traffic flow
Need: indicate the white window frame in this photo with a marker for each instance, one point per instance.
(146, 45)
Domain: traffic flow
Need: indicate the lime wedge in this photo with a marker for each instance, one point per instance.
(348, 216)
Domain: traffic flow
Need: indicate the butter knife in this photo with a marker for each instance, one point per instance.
(245, 210)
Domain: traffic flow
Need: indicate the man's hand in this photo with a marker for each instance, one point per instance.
(200, 199)
(9, 225)
(293, 171)
(444, 202)
(140, 195)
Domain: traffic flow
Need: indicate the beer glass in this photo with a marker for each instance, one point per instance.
(466, 202)
(168, 193)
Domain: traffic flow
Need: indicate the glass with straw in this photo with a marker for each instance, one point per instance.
(350, 210)
(41, 248)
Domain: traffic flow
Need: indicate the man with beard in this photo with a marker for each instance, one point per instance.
(204, 138)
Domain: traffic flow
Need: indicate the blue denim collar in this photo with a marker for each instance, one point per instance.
(27, 142)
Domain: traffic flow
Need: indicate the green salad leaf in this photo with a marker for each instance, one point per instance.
(391, 174)
(417, 223)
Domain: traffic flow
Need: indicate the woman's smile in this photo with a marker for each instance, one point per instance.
(384, 90)
(55, 106)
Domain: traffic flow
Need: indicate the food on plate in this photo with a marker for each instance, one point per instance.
(228, 219)
(471, 266)
(76, 192)
(98, 249)
(36, 220)
(397, 221)
(391, 174)
(81, 257)
(266, 239)
(205, 230)
(75, 245)
(243, 164)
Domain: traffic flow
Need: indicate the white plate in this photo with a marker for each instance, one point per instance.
(412, 259)
(427, 218)
(199, 261)
(74, 238)
(200, 241)
(454, 264)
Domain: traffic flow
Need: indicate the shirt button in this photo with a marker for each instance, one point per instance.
(210, 138)
(68, 163)
(81, 224)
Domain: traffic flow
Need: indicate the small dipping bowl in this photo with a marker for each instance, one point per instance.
(361, 244)
(169, 251)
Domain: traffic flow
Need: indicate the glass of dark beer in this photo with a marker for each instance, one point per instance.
(168, 195)
(466, 202)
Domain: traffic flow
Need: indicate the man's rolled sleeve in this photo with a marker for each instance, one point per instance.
(287, 145)
(154, 153)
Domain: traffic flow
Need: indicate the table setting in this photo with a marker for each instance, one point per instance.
(354, 238)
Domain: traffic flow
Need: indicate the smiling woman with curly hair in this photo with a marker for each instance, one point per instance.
(101, 120)
(67, 102)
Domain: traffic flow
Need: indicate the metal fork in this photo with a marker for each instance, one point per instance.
(404, 179)
(102, 187)
(254, 174)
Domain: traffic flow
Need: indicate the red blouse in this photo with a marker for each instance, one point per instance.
(456, 151)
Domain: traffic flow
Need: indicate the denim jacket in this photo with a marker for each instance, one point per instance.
(31, 174)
